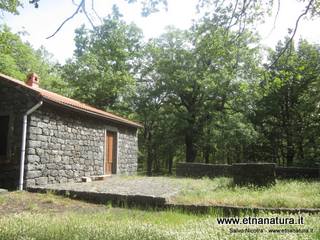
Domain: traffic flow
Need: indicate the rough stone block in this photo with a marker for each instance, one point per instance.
(257, 174)
(41, 181)
(30, 182)
(34, 174)
(34, 144)
(33, 158)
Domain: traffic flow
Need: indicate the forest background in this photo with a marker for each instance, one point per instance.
(210, 93)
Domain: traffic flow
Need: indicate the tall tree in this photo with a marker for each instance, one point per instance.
(103, 67)
(196, 71)
(287, 113)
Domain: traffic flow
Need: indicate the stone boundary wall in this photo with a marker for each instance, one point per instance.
(257, 174)
(198, 170)
(296, 172)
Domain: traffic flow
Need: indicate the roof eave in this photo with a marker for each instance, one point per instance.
(80, 110)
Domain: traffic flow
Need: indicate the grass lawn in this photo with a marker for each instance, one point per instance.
(45, 216)
(285, 193)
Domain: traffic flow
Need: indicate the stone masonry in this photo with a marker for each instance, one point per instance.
(128, 152)
(63, 147)
(12, 105)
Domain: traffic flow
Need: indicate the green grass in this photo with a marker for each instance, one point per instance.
(137, 225)
(39, 222)
(285, 193)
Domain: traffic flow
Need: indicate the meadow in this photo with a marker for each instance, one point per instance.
(46, 216)
(221, 191)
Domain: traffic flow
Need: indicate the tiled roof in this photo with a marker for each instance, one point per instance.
(68, 102)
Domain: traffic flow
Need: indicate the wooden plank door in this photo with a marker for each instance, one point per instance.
(110, 152)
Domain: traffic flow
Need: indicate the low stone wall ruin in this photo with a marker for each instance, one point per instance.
(198, 170)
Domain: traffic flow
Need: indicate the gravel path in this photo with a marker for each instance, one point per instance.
(146, 186)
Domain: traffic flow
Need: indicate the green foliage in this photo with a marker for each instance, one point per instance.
(202, 94)
(190, 78)
(10, 5)
(18, 58)
(102, 70)
(150, 6)
(288, 112)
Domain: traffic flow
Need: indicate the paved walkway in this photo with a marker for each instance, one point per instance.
(163, 187)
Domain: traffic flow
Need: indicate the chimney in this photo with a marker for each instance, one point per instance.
(32, 80)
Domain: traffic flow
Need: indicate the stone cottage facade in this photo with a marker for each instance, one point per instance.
(65, 140)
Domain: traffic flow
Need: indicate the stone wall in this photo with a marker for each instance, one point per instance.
(296, 172)
(63, 147)
(256, 174)
(198, 170)
(13, 102)
(127, 152)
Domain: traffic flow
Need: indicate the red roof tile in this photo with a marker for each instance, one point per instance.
(64, 101)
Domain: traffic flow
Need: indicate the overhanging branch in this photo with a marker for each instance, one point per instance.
(307, 9)
(81, 5)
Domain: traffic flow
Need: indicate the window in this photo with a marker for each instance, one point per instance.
(4, 129)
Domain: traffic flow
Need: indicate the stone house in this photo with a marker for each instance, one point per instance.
(46, 138)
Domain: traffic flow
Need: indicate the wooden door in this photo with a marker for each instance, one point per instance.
(110, 152)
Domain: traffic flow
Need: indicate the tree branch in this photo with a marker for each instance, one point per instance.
(68, 19)
(293, 34)
(85, 13)
(95, 12)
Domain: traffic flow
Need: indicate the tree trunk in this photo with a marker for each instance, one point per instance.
(170, 163)
(288, 130)
(191, 151)
(149, 154)
(157, 167)
(290, 152)
(206, 154)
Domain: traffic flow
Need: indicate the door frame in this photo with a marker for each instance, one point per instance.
(115, 131)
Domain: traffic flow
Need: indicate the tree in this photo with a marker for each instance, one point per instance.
(102, 69)
(287, 113)
(18, 58)
(195, 71)
(10, 6)
(159, 139)
(246, 15)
